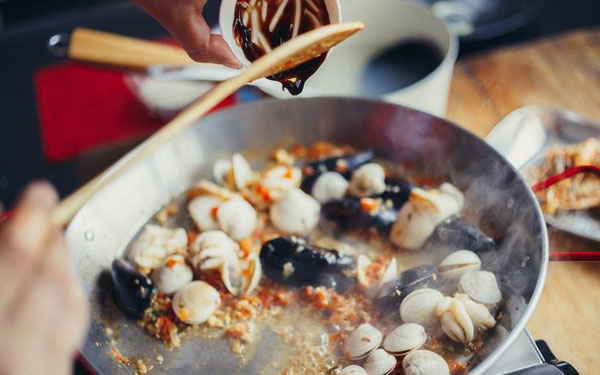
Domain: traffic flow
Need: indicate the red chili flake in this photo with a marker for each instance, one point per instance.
(213, 212)
(368, 204)
(289, 172)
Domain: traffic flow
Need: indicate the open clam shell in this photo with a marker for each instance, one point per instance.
(481, 286)
(353, 370)
(425, 362)
(459, 263)
(405, 339)
(419, 307)
(242, 172)
(380, 362)
(360, 343)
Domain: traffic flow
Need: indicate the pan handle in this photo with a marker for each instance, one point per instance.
(552, 365)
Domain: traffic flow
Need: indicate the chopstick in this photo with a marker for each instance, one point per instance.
(569, 172)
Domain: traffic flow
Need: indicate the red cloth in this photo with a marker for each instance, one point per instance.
(81, 107)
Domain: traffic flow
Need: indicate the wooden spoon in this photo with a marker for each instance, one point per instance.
(290, 54)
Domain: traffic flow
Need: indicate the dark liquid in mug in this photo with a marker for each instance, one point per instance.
(400, 66)
(313, 13)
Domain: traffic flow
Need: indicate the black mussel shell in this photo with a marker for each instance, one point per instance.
(348, 213)
(456, 234)
(393, 292)
(293, 262)
(342, 164)
(133, 290)
(397, 190)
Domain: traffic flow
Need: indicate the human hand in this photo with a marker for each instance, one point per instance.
(43, 317)
(183, 19)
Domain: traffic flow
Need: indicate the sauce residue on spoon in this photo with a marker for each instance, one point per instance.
(262, 25)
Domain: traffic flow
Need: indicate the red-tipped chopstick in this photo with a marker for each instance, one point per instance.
(569, 172)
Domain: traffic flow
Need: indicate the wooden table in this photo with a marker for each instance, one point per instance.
(561, 71)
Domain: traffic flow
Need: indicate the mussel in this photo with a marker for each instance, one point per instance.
(397, 190)
(350, 212)
(133, 291)
(393, 292)
(455, 233)
(341, 164)
(291, 261)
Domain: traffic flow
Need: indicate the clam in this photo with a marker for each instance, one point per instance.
(203, 210)
(360, 343)
(353, 370)
(255, 269)
(425, 209)
(380, 362)
(329, 186)
(293, 262)
(279, 179)
(455, 320)
(405, 339)
(172, 275)
(460, 317)
(152, 246)
(459, 263)
(220, 170)
(420, 307)
(392, 293)
(133, 291)
(295, 213)
(242, 172)
(479, 314)
(425, 362)
(196, 302)
(362, 264)
(372, 286)
(212, 248)
(368, 180)
(215, 250)
(481, 286)
(237, 218)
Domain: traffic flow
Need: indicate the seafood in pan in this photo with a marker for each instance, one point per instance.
(322, 232)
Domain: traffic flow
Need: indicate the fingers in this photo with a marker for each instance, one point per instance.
(22, 238)
(183, 19)
(195, 37)
(43, 318)
(49, 316)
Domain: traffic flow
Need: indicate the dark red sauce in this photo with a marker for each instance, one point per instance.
(277, 27)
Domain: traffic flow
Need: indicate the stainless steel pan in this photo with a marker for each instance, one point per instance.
(431, 146)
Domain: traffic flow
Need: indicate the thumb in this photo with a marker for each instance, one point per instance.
(202, 46)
